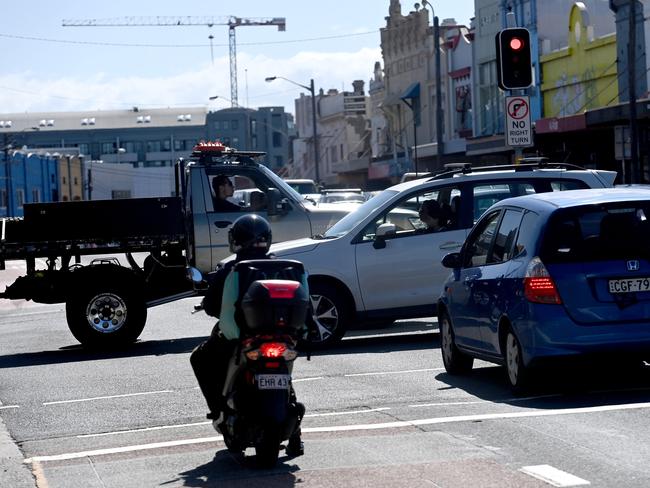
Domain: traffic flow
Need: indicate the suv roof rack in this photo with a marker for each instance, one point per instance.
(529, 165)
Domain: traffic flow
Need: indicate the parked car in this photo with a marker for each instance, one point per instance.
(550, 276)
(307, 188)
(379, 264)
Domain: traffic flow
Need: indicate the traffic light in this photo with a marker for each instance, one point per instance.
(514, 65)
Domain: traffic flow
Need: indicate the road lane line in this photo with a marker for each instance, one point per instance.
(349, 412)
(385, 425)
(145, 429)
(553, 476)
(2, 407)
(478, 417)
(108, 397)
(307, 379)
(117, 450)
(394, 372)
(506, 400)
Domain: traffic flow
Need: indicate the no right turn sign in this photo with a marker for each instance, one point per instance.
(518, 130)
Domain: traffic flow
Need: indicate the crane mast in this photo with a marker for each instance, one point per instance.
(169, 21)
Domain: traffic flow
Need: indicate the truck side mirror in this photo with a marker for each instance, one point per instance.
(278, 204)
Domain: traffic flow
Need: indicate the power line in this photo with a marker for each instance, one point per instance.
(123, 44)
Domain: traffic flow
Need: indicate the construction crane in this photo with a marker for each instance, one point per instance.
(231, 21)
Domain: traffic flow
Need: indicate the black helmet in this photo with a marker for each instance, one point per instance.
(250, 232)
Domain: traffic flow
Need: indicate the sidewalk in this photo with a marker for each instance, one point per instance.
(13, 472)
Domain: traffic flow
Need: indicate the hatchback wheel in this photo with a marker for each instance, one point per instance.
(518, 373)
(455, 361)
(329, 318)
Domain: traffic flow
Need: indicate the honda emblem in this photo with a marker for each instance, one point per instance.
(633, 265)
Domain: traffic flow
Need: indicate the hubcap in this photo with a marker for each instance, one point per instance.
(512, 359)
(106, 313)
(325, 317)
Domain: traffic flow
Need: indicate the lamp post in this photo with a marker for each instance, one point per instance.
(313, 116)
(436, 48)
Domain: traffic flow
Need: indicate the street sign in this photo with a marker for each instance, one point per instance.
(518, 130)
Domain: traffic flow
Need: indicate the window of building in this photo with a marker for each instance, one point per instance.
(277, 139)
(153, 146)
(253, 142)
(333, 154)
(179, 145)
(235, 142)
(63, 180)
(108, 147)
(84, 148)
(166, 145)
(3, 198)
(20, 197)
(115, 194)
(217, 124)
(225, 125)
(278, 161)
(234, 124)
(76, 181)
(253, 126)
(276, 121)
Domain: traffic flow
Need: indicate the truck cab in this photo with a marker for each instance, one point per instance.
(256, 189)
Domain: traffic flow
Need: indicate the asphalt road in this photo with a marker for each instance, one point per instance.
(381, 411)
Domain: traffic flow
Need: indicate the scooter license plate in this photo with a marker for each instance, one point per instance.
(273, 381)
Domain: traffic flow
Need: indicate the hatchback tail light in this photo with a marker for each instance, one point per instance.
(539, 287)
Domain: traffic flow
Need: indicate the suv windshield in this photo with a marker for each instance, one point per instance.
(598, 233)
(347, 223)
(280, 183)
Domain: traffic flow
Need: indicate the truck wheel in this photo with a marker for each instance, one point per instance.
(106, 315)
(330, 315)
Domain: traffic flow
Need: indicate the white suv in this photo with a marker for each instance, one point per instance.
(380, 264)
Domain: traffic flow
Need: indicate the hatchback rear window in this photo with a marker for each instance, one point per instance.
(597, 233)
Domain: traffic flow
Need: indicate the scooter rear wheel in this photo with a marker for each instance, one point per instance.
(267, 450)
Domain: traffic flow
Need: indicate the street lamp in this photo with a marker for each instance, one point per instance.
(313, 116)
(436, 48)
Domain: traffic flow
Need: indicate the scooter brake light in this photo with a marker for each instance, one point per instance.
(281, 288)
(273, 349)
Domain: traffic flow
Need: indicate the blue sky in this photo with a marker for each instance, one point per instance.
(47, 67)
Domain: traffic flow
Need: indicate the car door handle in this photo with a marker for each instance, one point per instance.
(450, 245)
(222, 224)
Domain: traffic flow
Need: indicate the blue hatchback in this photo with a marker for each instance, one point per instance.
(550, 276)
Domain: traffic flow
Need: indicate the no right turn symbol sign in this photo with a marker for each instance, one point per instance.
(518, 130)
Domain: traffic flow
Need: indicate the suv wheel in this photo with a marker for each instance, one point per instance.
(329, 314)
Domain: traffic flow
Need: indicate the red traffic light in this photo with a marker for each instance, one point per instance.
(516, 44)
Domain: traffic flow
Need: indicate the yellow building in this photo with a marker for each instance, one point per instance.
(70, 178)
(581, 76)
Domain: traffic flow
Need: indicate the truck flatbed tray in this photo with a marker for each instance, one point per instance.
(99, 221)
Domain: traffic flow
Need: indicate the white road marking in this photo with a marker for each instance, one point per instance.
(307, 379)
(108, 397)
(473, 418)
(394, 372)
(349, 412)
(553, 476)
(116, 450)
(385, 425)
(506, 400)
(3, 407)
(145, 429)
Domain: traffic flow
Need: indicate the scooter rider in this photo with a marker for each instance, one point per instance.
(249, 238)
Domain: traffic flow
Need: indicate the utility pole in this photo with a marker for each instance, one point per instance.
(8, 192)
(631, 77)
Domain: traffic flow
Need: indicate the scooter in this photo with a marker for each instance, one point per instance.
(261, 406)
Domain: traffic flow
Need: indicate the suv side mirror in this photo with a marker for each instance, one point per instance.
(383, 231)
(452, 260)
(277, 204)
